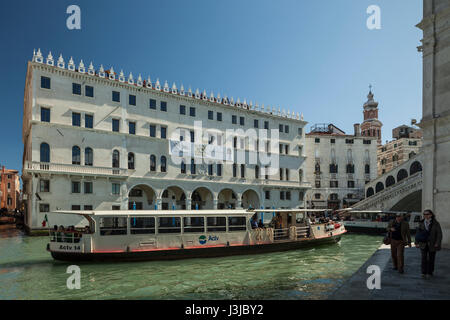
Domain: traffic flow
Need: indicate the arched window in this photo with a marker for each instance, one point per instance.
(379, 186)
(415, 167)
(402, 174)
(370, 192)
(131, 161)
(116, 159)
(45, 152)
(367, 168)
(390, 181)
(163, 164)
(153, 163)
(76, 155)
(88, 157)
(317, 167)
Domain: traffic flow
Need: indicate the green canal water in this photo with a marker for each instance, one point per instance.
(27, 271)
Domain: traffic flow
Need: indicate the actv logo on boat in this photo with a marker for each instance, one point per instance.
(204, 239)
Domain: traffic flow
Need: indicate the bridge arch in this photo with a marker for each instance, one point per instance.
(390, 180)
(369, 192)
(415, 167)
(402, 174)
(379, 187)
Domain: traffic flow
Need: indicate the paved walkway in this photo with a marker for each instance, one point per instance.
(395, 286)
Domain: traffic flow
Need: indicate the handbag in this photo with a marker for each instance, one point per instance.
(387, 238)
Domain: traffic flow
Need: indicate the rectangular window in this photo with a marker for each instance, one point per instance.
(367, 141)
(255, 123)
(45, 83)
(267, 193)
(286, 129)
(281, 195)
(300, 131)
(237, 224)
(242, 170)
(333, 184)
(210, 115)
(288, 195)
(281, 127)
(266, 125)
(182, 109)
(169, 225)
(89, 91)
(219, 169)
(132, 127)
(112, 226)
(141, 225)
(219, 116)
(87, 207)
(194, 225)
(332, 140)
(76, 88)
(152, 130)
(115, 125)
(163, 132)
(350, 184)
(44, 207)
(115, 188)
(163, 106)
(317, 140)
(349, 141)
(76, 207)
(210, 170)
(132, 100)
(153, 104)
(45, 115)
(192, 133)
(76, 119)
(192, 111)
(88, 121)
(317, 183)
(116, 96)
(216, 224)
(241, 121)
(234, 119)
(286, 149)
(44, 185)
(75, 187)
(115, 208)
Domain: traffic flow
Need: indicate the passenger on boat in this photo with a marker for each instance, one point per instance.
(278, 222)
(254, 222)
(260, 224)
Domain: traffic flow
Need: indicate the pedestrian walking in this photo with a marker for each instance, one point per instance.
(428, 239)
(400, 237)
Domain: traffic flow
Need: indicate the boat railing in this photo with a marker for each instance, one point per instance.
(302, 232)
(281, 234)
(65, 236)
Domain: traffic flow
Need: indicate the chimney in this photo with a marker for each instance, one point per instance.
(357, 131)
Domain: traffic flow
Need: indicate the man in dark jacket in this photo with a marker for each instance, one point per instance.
(428, 239)
(400, 237)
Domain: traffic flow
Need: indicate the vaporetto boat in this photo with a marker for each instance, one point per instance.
(164, 235)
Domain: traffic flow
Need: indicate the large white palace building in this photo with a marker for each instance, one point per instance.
(95, 139)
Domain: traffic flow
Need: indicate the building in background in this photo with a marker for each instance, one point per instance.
(406, 144)
(435, 121)
(95, 139)
(338, 165)
(9, 189)
(371, 126)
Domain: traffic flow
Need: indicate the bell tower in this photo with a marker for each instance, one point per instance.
(371, 127)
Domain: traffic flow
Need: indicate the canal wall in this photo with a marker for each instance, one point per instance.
(395, 286)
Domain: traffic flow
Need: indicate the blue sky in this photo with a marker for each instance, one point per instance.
(315, 57)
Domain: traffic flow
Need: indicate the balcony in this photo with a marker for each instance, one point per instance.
(75, 169)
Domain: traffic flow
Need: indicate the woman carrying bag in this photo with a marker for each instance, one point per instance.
(428, 238)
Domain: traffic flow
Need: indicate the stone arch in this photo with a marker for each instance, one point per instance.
(227, 198)
(370, 192)
(402, 174)
(379, 187)
(173, 198)
(202, 198)
(390, 180)
(250, 198)
(143, 195)
(415, 167)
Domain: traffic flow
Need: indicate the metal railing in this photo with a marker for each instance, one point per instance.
(280, 234)
(302, 232)
(65, 236)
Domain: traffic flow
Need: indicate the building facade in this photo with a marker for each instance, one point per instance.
(371, 126)
(95, 139)
(435, 121)
(9, 189)
(406, 144)
(338, 166)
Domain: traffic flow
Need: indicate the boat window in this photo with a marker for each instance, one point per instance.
(194, 224)
(169, 225)
(139, 225)
(300, 217)
(216, 224)
(237, 224)
(417, 219)
(112, 226)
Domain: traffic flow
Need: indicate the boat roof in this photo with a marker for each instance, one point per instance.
(381, 212)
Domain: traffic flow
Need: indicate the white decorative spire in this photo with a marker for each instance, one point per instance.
(131, 78)
(71, 65)
(101, 72)
(182, 90)
(39, 58)
(301, 117)
(157, 84)
(197, 94)
(238, 102)
(139, 81)
(211, 96)
(60, 62)
(166, 87)
(225, 100)
(231, 101)
(81, 67)
(121, 76)
(148, 83)
(174, 88)
(190, 92)
(50, 60)
(262, 107)
(112, 74)
(91, 69)
(218, 98)
(204, 96)
(298, 116)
